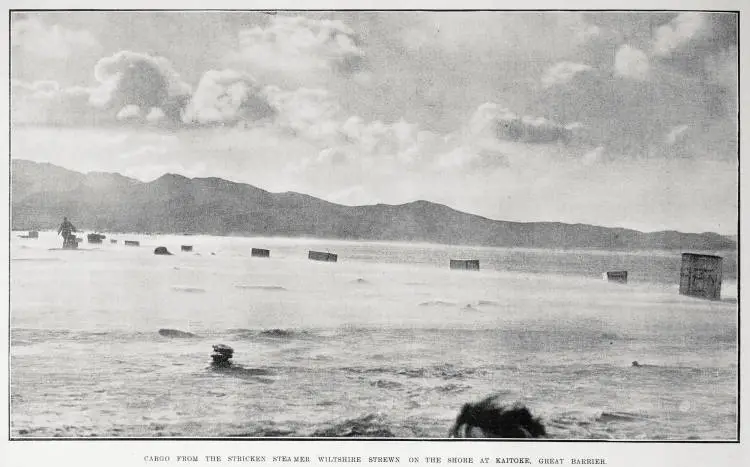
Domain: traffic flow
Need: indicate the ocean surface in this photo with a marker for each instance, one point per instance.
(387, 342)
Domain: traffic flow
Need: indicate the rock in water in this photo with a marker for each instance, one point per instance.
(161, 250)
(222, 354)
(175, 333)
(496, 421)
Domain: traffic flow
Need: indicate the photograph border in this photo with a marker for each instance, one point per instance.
(738, 13)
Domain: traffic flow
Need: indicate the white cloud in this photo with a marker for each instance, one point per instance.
(631, 63)
(310, 113)
(129, 112)
(132, 78)
(333, 156)
(588, 31)
(46, 103)
(227, 96)
(678, 32)
(500, 122)
(458, 158)
(155, 115)
(50, 42)
(675, 134)
(296, 50)
(562, 72)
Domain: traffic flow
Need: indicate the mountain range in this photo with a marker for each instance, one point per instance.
(42, 193)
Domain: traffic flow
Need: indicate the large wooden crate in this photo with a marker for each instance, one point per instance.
(321, 256)
(465, 264)
(700, 276)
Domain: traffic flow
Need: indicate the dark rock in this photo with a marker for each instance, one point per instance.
(221, 361)
(222, 354)
(161, 250)
(223, 349)
(496, 421)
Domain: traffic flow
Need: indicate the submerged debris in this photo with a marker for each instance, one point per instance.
(175, 333)
(370, 425)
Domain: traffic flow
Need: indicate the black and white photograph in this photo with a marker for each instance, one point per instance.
(308, 224)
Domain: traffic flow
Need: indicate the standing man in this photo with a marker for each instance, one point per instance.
(66, 230)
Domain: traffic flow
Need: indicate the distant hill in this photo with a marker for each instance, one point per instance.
(43, 193)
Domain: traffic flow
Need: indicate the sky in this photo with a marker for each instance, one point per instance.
(605, 118)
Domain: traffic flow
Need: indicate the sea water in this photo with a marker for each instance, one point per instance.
(388, 341)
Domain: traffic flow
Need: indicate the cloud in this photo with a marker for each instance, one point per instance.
(155, 115)
(129, 112)
(309, 113)
(562, 72)
(678, 32)
(46, 103)
(631, 63)
(468, 158)
(722, 68)
(496, 138)
(400, 140)
(506, 125)
(675, 134)
(291, 51)
(131, 78)
(314, 115)
(54, 42)
(227, 96)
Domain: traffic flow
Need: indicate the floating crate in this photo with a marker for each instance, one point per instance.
(620, 277)
(186, 247)
(260, 253)
(700, 276)
(465, 264)
(132, 243)
(95, 238)
(321, 256)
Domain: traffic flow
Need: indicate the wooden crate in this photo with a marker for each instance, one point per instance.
(700, 276)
